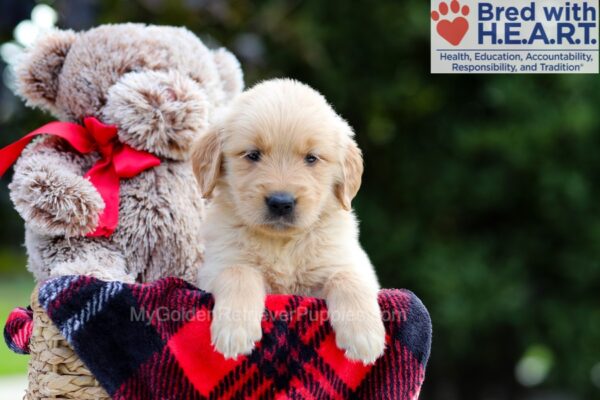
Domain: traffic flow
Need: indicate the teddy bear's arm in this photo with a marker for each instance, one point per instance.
(159, 112)
(50, 193)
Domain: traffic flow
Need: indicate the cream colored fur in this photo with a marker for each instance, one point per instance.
(160, 85)
(318, 254)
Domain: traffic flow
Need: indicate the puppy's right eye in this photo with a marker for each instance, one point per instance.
(253, 155)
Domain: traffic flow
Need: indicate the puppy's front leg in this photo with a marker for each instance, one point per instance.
(355, 316)
(239, 293)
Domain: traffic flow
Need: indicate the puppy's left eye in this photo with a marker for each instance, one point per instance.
(310, 159)
(253, 155)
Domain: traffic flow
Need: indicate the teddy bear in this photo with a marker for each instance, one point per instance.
(159, 86)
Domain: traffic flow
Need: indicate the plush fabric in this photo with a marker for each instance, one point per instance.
(152, 341)
(119, 161)
(161, 86)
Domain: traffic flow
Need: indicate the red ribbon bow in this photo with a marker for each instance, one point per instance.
(118, 160)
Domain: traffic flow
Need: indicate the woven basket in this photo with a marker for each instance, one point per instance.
(55, 371)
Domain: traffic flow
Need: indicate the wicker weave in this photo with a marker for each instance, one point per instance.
(55, 371)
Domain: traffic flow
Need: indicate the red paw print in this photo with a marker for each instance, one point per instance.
(451, 30)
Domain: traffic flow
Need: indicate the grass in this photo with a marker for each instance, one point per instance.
(12, 262)
(14, 292)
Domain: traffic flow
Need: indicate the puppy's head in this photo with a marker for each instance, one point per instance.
(281, 157)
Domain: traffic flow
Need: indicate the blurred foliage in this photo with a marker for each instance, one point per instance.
(480, 193)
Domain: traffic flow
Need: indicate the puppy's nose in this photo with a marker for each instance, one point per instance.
(280, 204)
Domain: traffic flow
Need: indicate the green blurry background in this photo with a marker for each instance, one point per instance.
(481, 193)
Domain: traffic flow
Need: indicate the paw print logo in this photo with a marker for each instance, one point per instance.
(453, 30)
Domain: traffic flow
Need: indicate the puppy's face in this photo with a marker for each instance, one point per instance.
(280, 172)
(281, 157)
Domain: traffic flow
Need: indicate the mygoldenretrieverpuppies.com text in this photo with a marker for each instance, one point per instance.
(166, 314)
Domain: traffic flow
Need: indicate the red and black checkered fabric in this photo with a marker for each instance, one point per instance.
(152, 341)
(17, 330)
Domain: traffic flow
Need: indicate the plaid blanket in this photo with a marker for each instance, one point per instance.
(17, 330)
(152, 341)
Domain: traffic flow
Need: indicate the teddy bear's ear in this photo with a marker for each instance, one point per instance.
(38, 71)
(230, 71)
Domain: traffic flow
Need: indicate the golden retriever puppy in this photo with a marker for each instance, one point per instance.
(281, 168)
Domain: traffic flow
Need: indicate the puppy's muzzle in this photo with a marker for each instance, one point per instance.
(280, 204)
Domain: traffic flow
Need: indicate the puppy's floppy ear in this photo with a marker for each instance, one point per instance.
(207, 158)
(352, 169)
(39, 69)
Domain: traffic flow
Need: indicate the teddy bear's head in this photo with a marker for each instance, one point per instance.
(158, 84)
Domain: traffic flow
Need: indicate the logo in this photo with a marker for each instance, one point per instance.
(514, 36)
(451, 26)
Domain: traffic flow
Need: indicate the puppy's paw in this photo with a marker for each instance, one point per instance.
(362, 339)
(235, 333)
